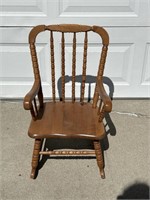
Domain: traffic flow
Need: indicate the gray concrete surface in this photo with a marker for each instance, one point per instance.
(126, 151)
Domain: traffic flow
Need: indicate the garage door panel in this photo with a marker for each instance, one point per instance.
(109, 8)
(146, 66)
(119, 62)
(108, 12)
(27, 13)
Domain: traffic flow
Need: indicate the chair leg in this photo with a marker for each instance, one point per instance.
(35, 157)
(99, 157)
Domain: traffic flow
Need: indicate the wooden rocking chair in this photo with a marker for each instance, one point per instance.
(63, 118)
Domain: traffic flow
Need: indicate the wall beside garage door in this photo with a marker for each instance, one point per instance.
(127, 22)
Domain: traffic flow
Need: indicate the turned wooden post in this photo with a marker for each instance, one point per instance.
(100, 73)
(73, 67)
(63, 65)
(84, 67)
(99, 157)
(52, 65)
(35, 157)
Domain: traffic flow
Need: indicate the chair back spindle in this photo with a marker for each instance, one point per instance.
(84, 68)
(52, 65)
(73, 67)
(63, 66)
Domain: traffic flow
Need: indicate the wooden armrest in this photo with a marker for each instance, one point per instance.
(105, 98)
(31, 95)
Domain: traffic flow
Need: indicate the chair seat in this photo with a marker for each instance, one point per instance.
(70, 120)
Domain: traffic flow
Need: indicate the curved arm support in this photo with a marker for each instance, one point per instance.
(31, 95)
(105, 98)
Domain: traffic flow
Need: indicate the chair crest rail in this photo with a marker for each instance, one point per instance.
(74, 28)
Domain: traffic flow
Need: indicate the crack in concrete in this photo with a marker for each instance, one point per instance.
(131, 114)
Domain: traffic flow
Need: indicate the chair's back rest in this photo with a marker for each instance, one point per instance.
(74, 29)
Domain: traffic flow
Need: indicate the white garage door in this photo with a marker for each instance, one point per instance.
(127, 22)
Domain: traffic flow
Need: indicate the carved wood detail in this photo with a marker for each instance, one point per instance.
(84, 67)
(34, 61)
(73, 152)
(99, 157)
(63, 66)
(35, 156)
(100, 73)
(73, 67)
(102, 61)
(52, 65)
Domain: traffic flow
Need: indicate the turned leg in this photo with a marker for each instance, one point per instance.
(35, 157)
(99, 157)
